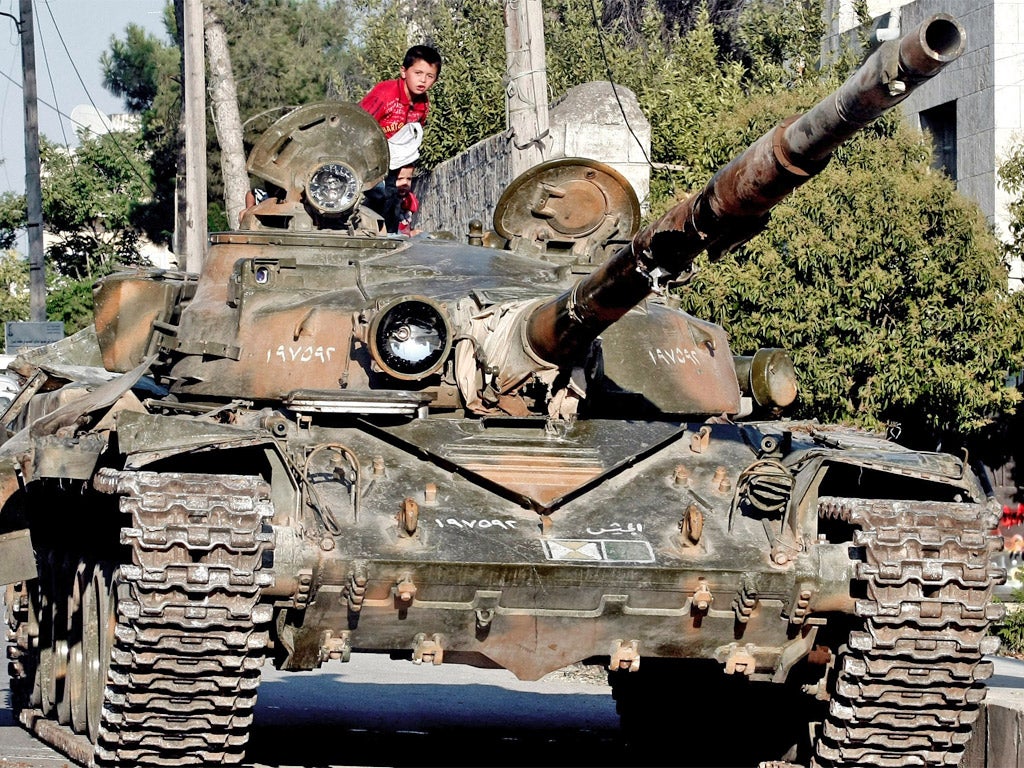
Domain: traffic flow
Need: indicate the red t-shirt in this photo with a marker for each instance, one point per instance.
(388, 102)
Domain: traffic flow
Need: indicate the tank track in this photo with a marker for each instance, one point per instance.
(907, 688)
(187, 644)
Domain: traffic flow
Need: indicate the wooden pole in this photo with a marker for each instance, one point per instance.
(33, 189)
(526, 84)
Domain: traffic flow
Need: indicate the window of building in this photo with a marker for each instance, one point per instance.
(940, 122)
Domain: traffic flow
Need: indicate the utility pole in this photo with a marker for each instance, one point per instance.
(194, 105)
(33, 189)
(526, 84)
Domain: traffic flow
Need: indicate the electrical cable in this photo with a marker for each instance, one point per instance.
(53, 90)
(112, 134)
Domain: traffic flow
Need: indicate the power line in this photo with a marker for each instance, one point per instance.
(53, 89)
(43, 101)
(113, 136)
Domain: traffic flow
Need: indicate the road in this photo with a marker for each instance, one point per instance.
(373, 711)
(376, 712)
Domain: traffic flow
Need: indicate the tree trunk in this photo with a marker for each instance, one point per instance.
(226, 120)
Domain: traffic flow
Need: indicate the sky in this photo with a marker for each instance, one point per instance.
(70, 35)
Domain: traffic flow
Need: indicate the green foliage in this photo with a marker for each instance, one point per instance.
(887, 286)
(1011, 629)
(133, 66)
(14, 290)
(387, 29)
(777, 42)
(67, 300)
(467, 103)
(89, 201)
(1011, 177)
(285, 53)
(684, 90)
(13, 216)
(146, 73)
(70, 301)
(575, 45)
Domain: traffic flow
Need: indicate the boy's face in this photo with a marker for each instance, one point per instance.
(403, 182)
(419, 77)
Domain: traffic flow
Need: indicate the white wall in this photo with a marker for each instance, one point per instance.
(987, 84)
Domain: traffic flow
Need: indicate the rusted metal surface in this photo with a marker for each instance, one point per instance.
(125, 308)
(574, 203)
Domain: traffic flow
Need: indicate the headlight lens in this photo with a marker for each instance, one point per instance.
(332, 188)
(410, 338)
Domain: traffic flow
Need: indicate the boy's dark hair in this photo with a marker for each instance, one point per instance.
(422, 53)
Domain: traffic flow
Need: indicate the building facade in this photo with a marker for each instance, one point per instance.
(975, 109)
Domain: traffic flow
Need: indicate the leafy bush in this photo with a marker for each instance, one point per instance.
(1011, 629)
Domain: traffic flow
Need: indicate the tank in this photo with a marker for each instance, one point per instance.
(505, 449)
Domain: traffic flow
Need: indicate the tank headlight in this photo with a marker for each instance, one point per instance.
(410, 338)
(332, 188)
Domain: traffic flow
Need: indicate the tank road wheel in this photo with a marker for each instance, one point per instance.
(98, 622)
(907, 688)
(188, 643)
(69, 641)
(51, 667)
(76, 683)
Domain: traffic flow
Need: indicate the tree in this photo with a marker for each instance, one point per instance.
(143, 71)
(134, 66)
(14, 292)
(1011, 178)
(89, 199)
(901, 317)
(226, 120)
(13, 217)
(283, 53)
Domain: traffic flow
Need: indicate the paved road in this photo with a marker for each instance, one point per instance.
(377, 712)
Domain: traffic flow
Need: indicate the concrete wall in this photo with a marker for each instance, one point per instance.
(591, 121)
(996, 737)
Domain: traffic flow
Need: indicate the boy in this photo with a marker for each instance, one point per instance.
(408, 204)
(394, 103)
(393, 197)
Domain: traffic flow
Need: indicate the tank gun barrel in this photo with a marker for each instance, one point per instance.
(735, 205)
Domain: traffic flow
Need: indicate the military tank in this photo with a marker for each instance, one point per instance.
(514, 451)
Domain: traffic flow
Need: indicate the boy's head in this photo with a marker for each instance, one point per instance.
(420, 69)
(403, 181)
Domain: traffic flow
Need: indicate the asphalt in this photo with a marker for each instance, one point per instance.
(375, 691)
